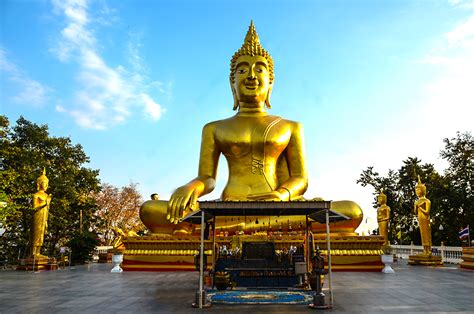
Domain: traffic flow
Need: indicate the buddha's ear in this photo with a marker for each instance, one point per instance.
(267, 101)
(236, 101)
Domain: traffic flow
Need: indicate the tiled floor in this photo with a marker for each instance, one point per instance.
(93, 289)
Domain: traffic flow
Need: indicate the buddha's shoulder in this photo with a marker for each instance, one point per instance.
(215, 124)
(289, 123)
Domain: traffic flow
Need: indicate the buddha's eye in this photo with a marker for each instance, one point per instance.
(241, 71)
(259, 70)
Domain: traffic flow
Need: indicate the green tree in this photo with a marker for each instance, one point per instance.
(451, 194)
(399, 186)
(26, 149)
(82, 246)
(459, 152)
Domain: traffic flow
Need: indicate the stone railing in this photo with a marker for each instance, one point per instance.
(100, 250)
(449, 254)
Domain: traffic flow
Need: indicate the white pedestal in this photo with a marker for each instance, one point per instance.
(117, 259)
(387, 260)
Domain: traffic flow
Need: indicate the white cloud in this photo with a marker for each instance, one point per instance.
(464, 4)
(152, 107)
(463, 34)
(450, 97)
(60, 108)
(106, 95)
(29, 91)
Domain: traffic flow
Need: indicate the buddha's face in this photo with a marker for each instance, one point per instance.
(381, 200)
(420, 191)
(43, 185)
(251, 80)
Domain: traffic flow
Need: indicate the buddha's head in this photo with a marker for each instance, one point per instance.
(42, 181)
(251, 72)
(420, 188)
(382, 198)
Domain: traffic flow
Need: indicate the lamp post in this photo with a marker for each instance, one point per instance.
(411, 239)
(441, 228)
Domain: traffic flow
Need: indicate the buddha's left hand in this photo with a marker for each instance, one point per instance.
(269, 196)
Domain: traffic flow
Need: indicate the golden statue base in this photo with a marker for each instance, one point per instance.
(162, 253)
(467, 258)
(36, 264)
(353, 253)
(425, 260)
(177, 253)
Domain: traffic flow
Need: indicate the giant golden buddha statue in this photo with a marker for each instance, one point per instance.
(264, 153)
(39, 224)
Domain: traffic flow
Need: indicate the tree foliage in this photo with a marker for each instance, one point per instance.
(82, 246)
(450, 193)
(25, 149)
(118, 208)
(459, 152)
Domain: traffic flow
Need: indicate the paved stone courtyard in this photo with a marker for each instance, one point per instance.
(93, 289)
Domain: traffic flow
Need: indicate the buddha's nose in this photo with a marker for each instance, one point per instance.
(251, 72)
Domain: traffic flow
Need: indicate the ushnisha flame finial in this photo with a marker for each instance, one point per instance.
(43, 176)
(383, 196)
(420, 185)
(419, 181)
(251, 38)
(251, 47)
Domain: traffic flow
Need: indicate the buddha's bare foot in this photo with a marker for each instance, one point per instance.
(40, 256)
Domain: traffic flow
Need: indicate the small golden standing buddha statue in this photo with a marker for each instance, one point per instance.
(422, 211)
(265, 153)
(39, 224)
(383, 215)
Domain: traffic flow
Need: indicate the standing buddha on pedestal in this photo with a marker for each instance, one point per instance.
(422, 211)
(39, 223)
(383, 215)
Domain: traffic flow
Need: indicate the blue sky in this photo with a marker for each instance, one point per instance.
(373, 82)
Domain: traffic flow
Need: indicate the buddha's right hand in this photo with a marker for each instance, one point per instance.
(182, 197)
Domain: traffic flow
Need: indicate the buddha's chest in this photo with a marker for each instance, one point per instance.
(263, 137)
(41, 196)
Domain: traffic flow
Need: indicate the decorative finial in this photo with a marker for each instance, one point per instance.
(420, 184)
(251, 39)
(383, 196)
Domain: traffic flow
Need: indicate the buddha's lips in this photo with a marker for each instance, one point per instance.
(251, 86)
